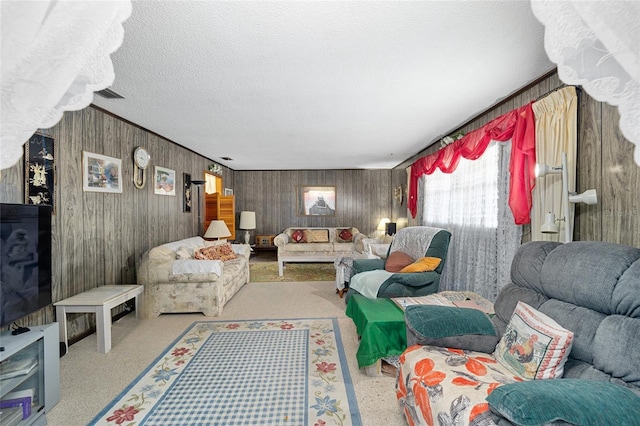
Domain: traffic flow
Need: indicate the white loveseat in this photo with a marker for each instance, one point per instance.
(176, 282)
(317, 244)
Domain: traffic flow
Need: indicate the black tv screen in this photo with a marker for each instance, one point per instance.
(25, 260)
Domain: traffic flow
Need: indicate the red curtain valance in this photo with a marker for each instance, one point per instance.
(519, 127)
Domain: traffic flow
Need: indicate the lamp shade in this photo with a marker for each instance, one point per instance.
(382, 225)
(589, 197)
(217, 229)
(247, 220)
(549, 226)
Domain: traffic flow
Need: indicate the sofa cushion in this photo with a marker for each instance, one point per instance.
(450, 327)
(297, 236)
(575, 401)
(423, 264)
(219, 252)
(396, 261)
(534, 346)
(344, 235)
(316, 235)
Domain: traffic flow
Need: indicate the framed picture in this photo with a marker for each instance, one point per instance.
(316, 200)
(101, 173)
(186, 197)
(165, 181)
(39, 171)
(228, 191)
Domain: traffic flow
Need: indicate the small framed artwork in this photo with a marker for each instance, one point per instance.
(228, 191)
(165, 181)
(316, 200)
(186, 200)
(101, 173)
(39, 171)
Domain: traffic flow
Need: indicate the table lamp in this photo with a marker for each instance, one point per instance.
(217, 229)
(247, 222)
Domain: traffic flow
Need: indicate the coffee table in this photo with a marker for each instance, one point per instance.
(380, 325)
(99, 301)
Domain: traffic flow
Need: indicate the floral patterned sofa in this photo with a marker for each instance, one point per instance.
(563, 345)
(177, 277)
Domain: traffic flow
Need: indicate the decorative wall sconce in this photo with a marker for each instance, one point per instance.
(588, 197)
(215, 168)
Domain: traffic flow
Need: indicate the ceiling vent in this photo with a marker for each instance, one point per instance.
(109, 94)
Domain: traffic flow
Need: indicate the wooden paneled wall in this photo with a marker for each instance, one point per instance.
(98, 237)
(605, 162)
(362, 197)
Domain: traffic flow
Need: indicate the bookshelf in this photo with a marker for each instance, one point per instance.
(29, 375)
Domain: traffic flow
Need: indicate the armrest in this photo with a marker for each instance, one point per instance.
(359, 242)
(281, 240)
(362, 265)
(450, 327)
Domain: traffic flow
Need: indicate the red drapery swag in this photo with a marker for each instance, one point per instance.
(517, 126)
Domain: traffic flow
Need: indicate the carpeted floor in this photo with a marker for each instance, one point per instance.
(89, 380)
(268, 272)
(241, 373)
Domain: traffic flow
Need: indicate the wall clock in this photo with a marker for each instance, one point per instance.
(141, 160)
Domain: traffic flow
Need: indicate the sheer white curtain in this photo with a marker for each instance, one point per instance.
(472, 203)
(55, 54)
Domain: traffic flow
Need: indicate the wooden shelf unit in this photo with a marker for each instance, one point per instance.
(220, 207)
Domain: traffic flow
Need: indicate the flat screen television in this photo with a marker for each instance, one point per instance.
(25, 260)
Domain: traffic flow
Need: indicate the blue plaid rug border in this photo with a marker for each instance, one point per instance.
(311, 386)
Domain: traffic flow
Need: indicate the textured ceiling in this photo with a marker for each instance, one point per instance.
(319, 85)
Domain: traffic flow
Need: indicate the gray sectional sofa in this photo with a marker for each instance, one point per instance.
(589, 288)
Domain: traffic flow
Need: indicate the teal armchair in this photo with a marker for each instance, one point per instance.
(416, 241)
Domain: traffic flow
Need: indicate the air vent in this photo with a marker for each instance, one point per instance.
(109, 94)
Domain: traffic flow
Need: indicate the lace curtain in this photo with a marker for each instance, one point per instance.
(55, 54)
(472, 203)
(596, 44)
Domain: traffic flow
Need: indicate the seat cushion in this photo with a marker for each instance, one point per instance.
(448, 386)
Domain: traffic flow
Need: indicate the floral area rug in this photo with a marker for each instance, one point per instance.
(268, 272)
(257, 372)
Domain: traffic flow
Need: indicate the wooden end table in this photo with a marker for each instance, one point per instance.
(98, 301)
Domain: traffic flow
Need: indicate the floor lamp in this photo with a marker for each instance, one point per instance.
(588, 197)
(199, 183)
